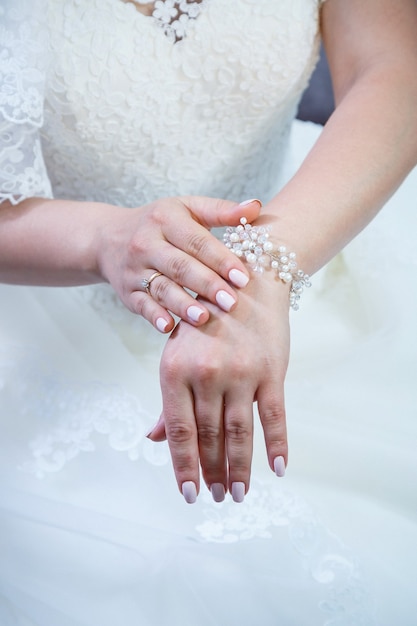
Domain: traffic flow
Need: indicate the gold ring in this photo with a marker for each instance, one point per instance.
(146, 282)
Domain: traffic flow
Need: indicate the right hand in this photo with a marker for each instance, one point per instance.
(172, 236)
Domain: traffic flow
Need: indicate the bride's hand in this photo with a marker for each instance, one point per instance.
(210, 377)
(168, 243)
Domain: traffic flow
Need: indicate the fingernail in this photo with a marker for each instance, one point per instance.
(238, 492)
(279, 466)
(189, 491)
(238, 278)
(154, 426)
(194, 313)
(246, 202)
(161, 324)
(218, 492)
(225, 300)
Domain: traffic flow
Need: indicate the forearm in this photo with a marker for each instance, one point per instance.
(361, 157)
(51, 242)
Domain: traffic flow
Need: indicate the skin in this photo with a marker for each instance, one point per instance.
(213, 371)
(56, 242)
(211, 376)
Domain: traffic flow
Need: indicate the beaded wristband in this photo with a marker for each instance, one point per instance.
(252, 244)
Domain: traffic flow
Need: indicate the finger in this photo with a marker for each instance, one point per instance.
(142, 304)
(238, 425)
(194, 241)
(214, 212)
(174, 298)
(189, 272)
(181, 430)
(157, 432)
(271, 408)
(209, 416)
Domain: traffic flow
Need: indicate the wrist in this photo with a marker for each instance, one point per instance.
(252, 243)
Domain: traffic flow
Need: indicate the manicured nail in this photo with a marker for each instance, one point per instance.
(225, 300)
(194, 313)
(189, 491)
(238, 278)
(161, 324)
(246, 202)
(218, 492)
(279, 466)
(154, 426)
(238, 492)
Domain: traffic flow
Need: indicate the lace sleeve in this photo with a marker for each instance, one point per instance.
(22, 76)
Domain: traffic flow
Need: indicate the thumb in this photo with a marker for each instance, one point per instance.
(214, 212)
(157, 432)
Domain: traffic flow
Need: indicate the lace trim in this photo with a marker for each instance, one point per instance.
(345, 594)
(74, 414)
(22, 76)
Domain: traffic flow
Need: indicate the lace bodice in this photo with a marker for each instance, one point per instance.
(127, 115)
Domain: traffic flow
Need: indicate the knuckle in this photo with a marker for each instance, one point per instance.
(209, 434)
(198, 245)
(208, 372)
(169, 368)
(140, 306)
(136, 246)
(159, 289)
(237, 431)
(179, 433)
(178, 268)
(273, 415)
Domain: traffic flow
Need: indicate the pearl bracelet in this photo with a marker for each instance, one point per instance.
(252, 244)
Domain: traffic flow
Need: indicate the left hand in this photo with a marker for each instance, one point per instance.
(210, 377)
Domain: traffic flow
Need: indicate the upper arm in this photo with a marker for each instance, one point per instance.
(360, 35)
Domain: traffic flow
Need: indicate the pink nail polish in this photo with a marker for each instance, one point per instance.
(238, 492)
(218, 492)
(189, 491)
(246, 202)
(194, 313)
(279, 466)
(238, 278)
(150, 431)
(161, 324)
(225, 300)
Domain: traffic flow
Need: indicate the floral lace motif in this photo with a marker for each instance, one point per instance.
(22, 77)
(74, 415)
(173, 16)
(267, 509)
(142, 119)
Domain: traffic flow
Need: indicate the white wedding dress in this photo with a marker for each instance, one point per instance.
(98, 102)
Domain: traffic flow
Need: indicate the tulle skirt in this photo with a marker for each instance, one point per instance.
(93, 530)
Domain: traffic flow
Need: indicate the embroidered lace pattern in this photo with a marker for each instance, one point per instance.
(173, 16)
(268, 511)
(22, 74)
(75, 415)
(143, 118)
